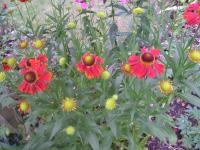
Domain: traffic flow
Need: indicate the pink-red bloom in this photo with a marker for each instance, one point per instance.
(4, 6)
(192, 14)
(84, 3)
(146, 64)
(124, 1)
(5, 65)
(90, 65)
(23, 1)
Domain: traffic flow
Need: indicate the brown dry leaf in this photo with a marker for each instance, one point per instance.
(10, 118)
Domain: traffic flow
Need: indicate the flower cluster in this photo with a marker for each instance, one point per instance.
(36, 44)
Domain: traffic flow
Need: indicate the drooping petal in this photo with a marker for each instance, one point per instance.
(191, 14)
(144, 50)
(42, 58)
(139, 70)
(160, 68)
(155, 52)
(133, 59)
(151, 72)
(99, 60)
(80, 67)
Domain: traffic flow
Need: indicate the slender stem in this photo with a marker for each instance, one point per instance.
(19, 11)
(193, 38)
(28, 11)
(113, 18)
(113, 11)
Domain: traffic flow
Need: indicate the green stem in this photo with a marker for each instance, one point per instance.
(19, 11)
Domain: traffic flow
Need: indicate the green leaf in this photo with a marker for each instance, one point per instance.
(47, 144)
(93, 141)
(163, 133)
(113, 127)
(56, 129)
(192, 86)
(190, 98)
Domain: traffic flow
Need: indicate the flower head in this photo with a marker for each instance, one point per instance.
(105, 75)
(23, 44)
(23, 107)
(90, 65)
(101, 14)
(165, 87)
(138, 10)
(11, 61)
(146, 64)
(70, 130)
(4, 6)
(71, 25)
(124, 1)
(110, 103)
(62, 61)
(5, 65)
(2, 76)
(23, 1)
(192, 14)
(115, 97)
(194, 56)
(84, 3)
(38, 44)
(69, 104)
(126, 68)
(35, 75)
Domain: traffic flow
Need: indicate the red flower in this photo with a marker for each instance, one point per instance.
(146, 64)
(36, 77)
(31, 62)
(5, 66)
(23, 1)
(4, 6)
(90, 65)
(192, 14)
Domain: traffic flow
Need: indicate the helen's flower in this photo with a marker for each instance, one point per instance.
(165, 87)
(138, 10)
(5, 65)
(110, 104)
(2, 76)
(194, 56)
(115, 97)
(70, 130)
(126, 68)
(69, 104)
(192, 14)
(62, 61)
(71, 25)
(38, 44)
(124, 1)
(36, 77)
(23, 44)
(101, 14)
(4, 6)
(84, 3)
(105, 75)
(27, 63)
(90, 65)
(146, 64)
(11, 61)
(23, 107)
(23, 1)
